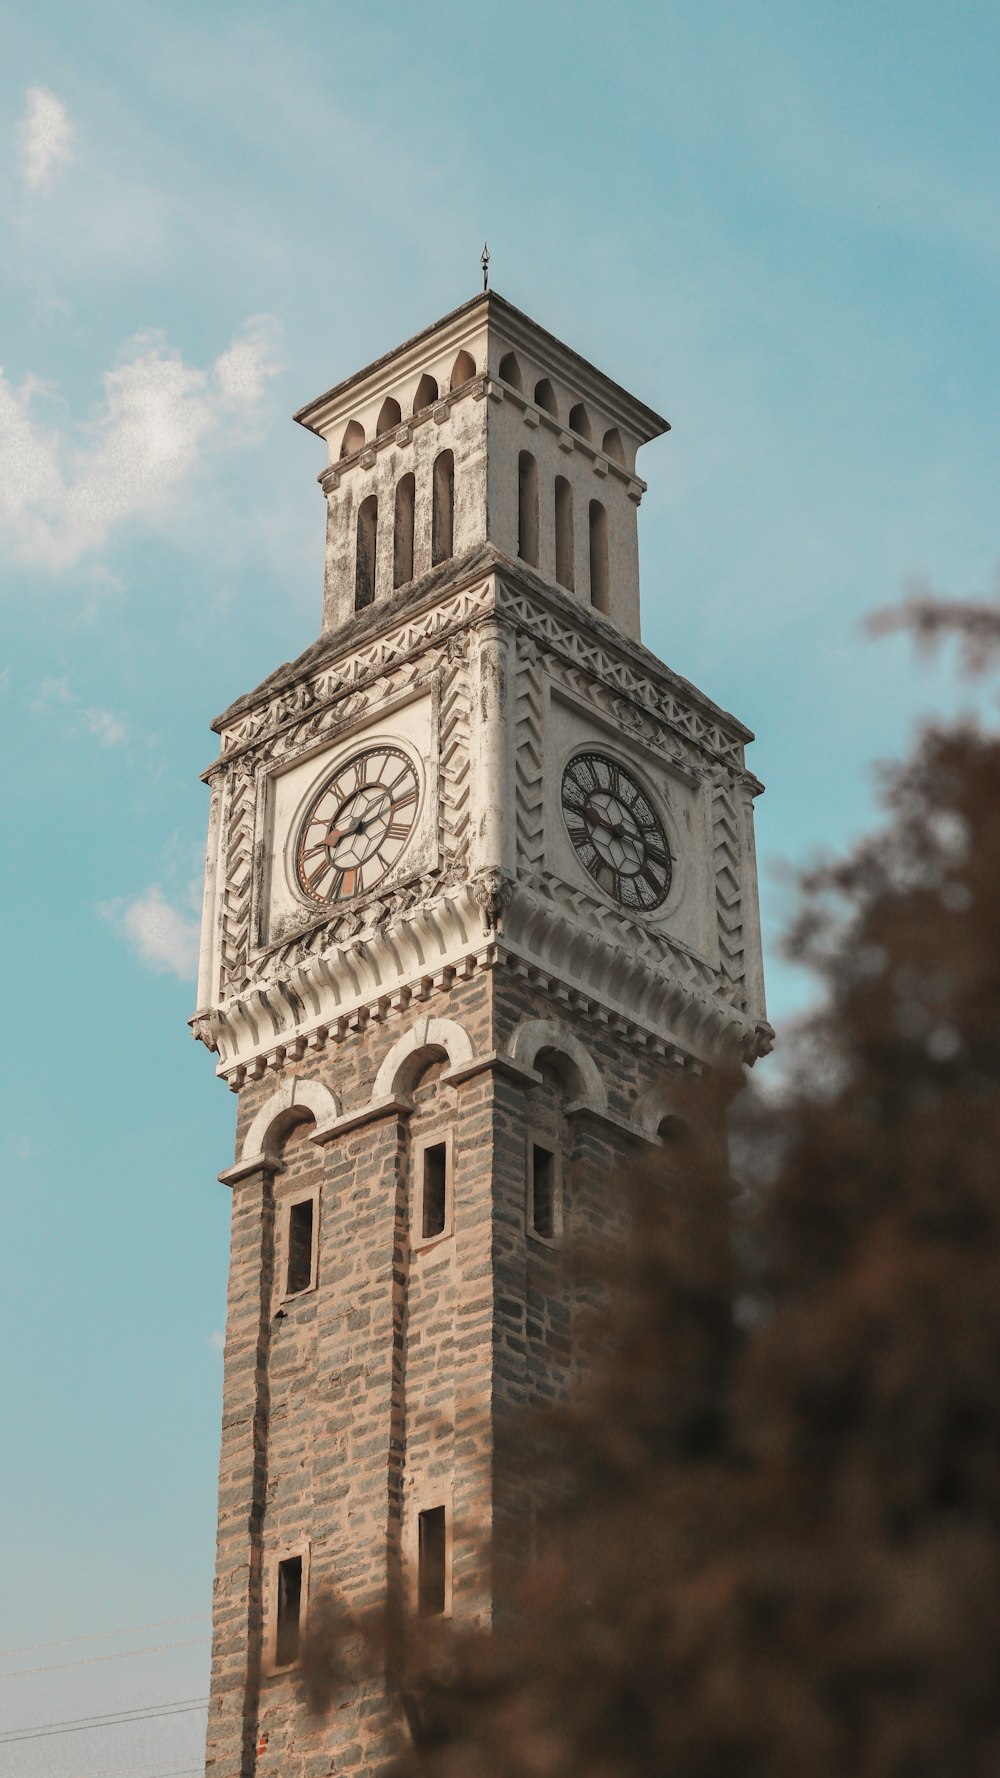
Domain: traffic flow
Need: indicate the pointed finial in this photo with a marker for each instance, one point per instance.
(485, 263)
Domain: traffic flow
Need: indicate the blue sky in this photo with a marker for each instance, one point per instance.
(779, 224)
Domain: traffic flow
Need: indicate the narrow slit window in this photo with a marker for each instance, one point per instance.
(300, 1246)
(564, 533)
(364, 576)
(289, 1627)
(443, 513)
(599, 589)
(402, 547)
(527, 508)
(431, 1558)
(543, 1192)
(434, 1192)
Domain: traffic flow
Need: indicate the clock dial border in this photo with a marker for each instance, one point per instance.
(368, 825)
(617, 832)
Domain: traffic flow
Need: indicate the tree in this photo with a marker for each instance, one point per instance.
(780, 1546)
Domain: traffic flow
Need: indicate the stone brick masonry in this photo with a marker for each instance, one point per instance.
(399, 1381)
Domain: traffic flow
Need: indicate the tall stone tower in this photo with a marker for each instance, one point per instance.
(480, 901)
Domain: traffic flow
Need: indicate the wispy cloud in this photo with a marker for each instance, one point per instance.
(62, 497)
(111, 730)
(162, 936)
(111, 727)
(46, 138)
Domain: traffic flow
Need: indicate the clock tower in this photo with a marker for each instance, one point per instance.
(480, 905)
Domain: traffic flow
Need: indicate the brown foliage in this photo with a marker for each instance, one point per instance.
(780, 1550)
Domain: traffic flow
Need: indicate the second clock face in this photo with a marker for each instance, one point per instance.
(618, 836)
(357, 825)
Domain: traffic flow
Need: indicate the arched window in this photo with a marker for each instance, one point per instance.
(353, 439)
(600, 595)
(402, 532)
(545, 396)
(389, 416)
(443, 512)
(462, 370)
(613, 446)
(510, 371)
(527, 508)
(364, 573)
(564, 533)
(426, 393)
(579, 421)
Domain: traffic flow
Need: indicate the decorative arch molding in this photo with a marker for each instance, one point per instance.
(425, 1038)
(535, 1035)
(294, 1102)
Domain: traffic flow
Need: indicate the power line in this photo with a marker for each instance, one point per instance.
(74, 1725)
(122, 1654)
(163, 1623)
(131, 1772)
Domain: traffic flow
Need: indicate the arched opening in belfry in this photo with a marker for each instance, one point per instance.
(402, 531)
(510, 371)
(390, 415)
(463, 370)
(564, 533)
(545, 396)
(443, 507)
(579, 421)
(600, 592)
(364, 571)
(613, 446)
(527, 508)
(353, 439)
(426, 393)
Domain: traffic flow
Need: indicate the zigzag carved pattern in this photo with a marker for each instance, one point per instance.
(239, 865)
(455, 776)
(588, 652)
(728, 896)
(530, 813)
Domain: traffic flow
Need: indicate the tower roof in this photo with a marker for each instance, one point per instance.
(493, 313)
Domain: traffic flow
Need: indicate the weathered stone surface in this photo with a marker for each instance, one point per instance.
(484, 994)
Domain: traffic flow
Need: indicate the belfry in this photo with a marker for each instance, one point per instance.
(480, 903)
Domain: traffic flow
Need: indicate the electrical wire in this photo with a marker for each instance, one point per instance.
(159, 1772)
(122, 1654)
(162, 1623)
(132, 1772)
(75, 1724)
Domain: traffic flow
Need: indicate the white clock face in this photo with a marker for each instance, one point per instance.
(618, 836)
(357, 825)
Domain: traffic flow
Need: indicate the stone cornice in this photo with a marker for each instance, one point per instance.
(503, 588)
(648, 1005)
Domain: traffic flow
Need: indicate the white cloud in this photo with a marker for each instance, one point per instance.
(242, 370)
(110, 729)
(46, 137)
(163, 938)
(62, 497)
